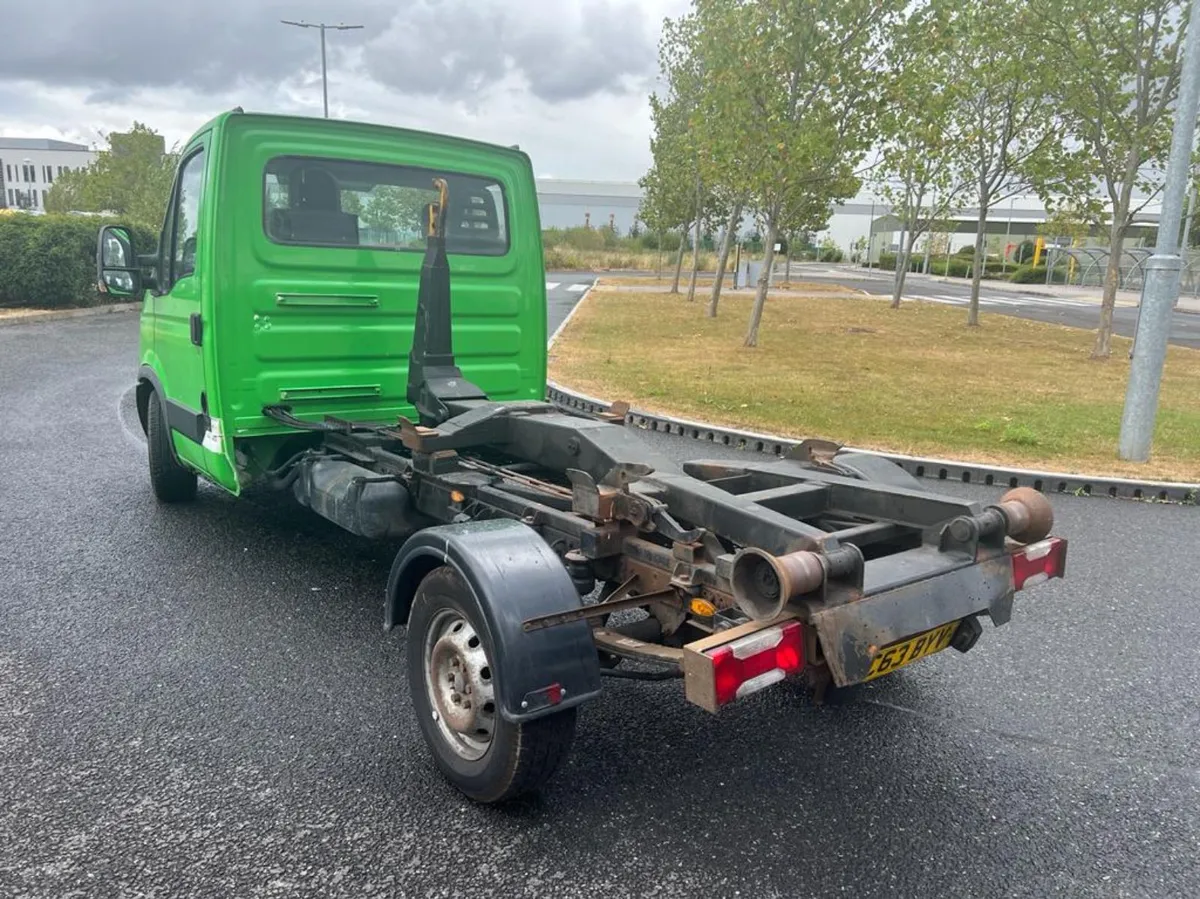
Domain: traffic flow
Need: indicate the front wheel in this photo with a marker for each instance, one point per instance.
(172, 482)
(453, 686)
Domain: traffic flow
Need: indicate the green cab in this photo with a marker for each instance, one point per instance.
(286, 275)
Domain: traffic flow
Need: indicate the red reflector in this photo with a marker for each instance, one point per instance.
(1039, 562)
(554, 694)
(756, 661)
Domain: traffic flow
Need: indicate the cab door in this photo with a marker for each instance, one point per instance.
(179, 331)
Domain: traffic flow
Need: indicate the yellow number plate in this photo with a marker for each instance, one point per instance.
(908, 651)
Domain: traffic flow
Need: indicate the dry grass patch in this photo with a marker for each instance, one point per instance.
(914, 380)
(704, 280)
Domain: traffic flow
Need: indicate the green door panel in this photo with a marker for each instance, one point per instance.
(178, 300)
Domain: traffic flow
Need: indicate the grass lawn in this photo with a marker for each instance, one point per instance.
(914, 380)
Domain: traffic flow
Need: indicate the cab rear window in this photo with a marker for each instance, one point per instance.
(320, 202)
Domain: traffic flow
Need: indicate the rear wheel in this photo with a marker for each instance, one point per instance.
(454, 691)
(172, 482)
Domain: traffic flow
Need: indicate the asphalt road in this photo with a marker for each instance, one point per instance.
(201, 701)
(1007, 300)
(563, 290)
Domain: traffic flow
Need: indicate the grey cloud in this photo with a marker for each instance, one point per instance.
(210, 46)
(455, 48)
(447, 48)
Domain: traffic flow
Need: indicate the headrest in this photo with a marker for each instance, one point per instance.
(314, 188)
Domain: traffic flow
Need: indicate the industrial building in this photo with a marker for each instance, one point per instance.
(29, 166)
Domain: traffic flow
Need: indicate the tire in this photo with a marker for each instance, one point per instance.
(488, 759)
(172, 482)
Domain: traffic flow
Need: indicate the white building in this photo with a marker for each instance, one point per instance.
(570, 204)
(29, 165)
(566, 204)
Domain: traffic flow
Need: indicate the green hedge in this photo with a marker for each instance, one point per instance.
(956, 266)
(1036, 274)
(49, 261)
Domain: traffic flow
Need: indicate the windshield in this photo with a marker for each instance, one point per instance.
(339, 202)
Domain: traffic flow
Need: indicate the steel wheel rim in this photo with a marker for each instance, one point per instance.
(459, 685)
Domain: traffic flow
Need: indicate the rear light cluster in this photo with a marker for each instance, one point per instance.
(755, 661)
(1038, 562)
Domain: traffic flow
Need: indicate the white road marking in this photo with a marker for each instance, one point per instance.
(136, 438)
(576, 288)
(550, 285)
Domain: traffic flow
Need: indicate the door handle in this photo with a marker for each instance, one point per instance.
(197, 329)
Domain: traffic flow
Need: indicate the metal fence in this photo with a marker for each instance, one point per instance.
(1091, 263)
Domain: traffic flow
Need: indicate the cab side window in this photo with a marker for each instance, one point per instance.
(186, 211)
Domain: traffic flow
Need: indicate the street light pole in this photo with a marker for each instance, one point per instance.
(1161, 286)
(324, 76)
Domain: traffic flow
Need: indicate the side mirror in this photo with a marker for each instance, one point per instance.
(117, 271)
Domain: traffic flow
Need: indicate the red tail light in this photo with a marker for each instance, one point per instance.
(1039, 562)
(756, 661)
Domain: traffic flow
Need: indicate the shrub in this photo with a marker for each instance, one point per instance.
(952, 267)
(49, 261)
(1036, 274)
(887, 261)
(670, 241)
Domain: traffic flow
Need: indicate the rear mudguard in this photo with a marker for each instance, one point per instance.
(513, 575)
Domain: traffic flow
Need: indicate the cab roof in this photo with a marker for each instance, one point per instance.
(322, 124)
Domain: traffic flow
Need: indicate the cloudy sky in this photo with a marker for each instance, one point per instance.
(565, 79)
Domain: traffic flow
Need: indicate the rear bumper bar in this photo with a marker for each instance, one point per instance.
(852, 633)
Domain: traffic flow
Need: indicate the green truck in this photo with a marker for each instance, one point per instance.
(356, 315)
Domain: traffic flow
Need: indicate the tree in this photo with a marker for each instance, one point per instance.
(666, 204)
(394, 210)
(800, 79)
(917, 173)
(130, 178)
(1116, 74)
(1007, 137)
(674, 189)
(66, 194)
(725, 157)
(735, 201)
(1068, 221)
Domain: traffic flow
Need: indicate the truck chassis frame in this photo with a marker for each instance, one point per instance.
(847, 544)
(835, 567)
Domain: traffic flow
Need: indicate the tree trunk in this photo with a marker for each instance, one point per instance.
(696, 239)
(660, 255)
(695, 263)
(760, 298)
(977, 266)
(902, 266)
(787, 265)
(723, 259)
(1112, 281)
(679, 262)
(1116, 245)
